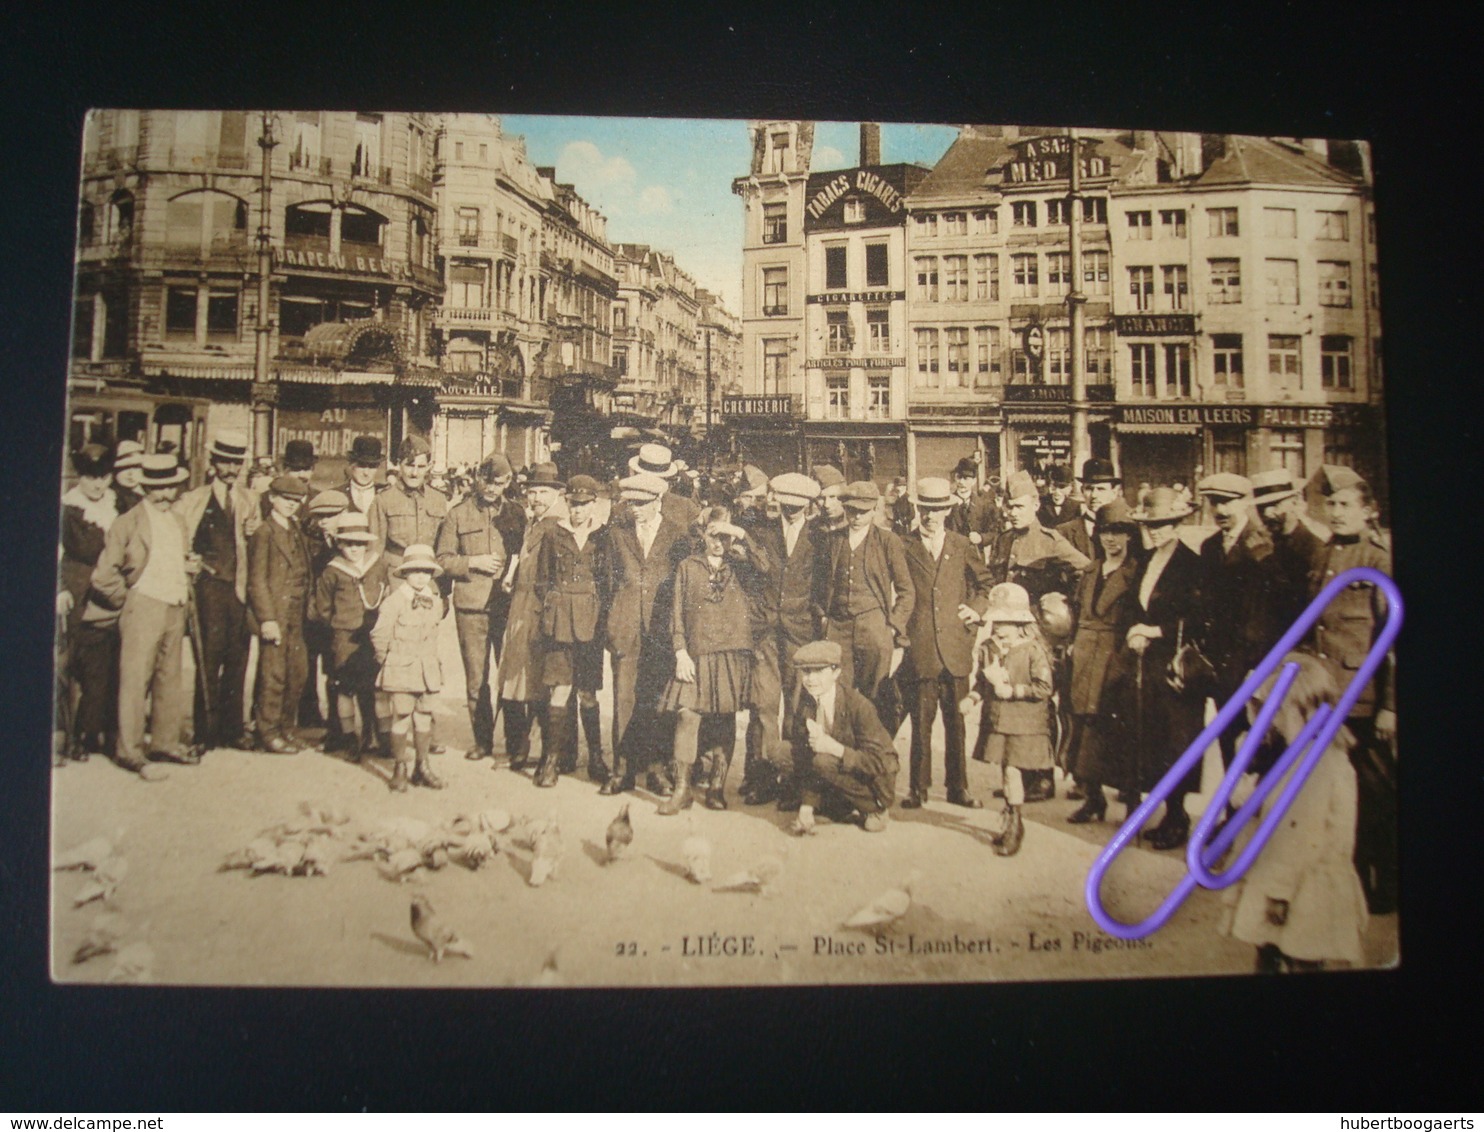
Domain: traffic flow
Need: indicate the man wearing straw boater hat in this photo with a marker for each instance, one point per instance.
(657, 460)
(952, 586)
(278, 582)
(126, 475)
(145, 572)
(217, 516)
(1297, 545)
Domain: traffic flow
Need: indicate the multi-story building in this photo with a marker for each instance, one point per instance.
(167, 298)
(718, 352)
(635, 361)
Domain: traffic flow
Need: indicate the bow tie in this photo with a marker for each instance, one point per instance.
(422, 601)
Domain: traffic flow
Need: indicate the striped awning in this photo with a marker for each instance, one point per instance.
(1019, 418)
(1159, 429)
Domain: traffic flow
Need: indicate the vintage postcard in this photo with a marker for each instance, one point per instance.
(510, 550)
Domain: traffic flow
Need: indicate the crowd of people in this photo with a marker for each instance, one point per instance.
(1086, 634)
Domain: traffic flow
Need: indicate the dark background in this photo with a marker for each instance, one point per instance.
(1350, 1042)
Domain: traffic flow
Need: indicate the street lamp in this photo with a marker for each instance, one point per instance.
(264, 390)
(1081, 443)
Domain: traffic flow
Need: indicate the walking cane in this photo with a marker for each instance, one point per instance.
(63, 690)
(198, 648)
(1138, 724)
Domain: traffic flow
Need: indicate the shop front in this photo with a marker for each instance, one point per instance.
(942, 435)
(1038, 426)
(763, 431)
(861, 450)
(330, 418)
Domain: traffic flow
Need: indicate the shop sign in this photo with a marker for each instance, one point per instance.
(1188, 415)
(1033, 337)
(332, 430)
(1146, 325)
(852, 363)
(1290, 416)
(1049, 159)
(1045, 445)
(843, 298)
(865, 181)
(623, 402)
(339, 261)
(778, 405)
(1054, 394)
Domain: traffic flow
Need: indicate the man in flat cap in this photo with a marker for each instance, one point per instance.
(1297, 545)
(843, 757)
(1342, 637)
(220, 515)
(644, 547)
(477, 547)
(363, 466)
(975, 514)
(145, 572)
(1100, 486)
(952, 586)
(278, 583)
(869, 595)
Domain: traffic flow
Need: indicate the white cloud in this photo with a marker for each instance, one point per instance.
(582, 163)
(828, 157)
(654, 199)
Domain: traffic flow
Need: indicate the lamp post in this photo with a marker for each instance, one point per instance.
(710, 447)
(264, 389)
(1081, 442)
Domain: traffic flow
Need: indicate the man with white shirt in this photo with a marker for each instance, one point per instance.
(360, 485)
(1100, 486)
(145, 571)
(952, 587)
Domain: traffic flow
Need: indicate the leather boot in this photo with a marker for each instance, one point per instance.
(567, 763)
(554, 734)
(1007, 844)
(422, 774)
(716, 794)
(1093, 808)
(401, 766)
(681, 798)
(1172, 831)
(597, 768)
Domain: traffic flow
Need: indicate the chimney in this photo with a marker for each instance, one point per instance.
(1213, 149)
(870, 143)
(1319, 147)
(1144, 140)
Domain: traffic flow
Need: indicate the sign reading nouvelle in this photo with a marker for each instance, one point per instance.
(779, 405)
(1146, 325)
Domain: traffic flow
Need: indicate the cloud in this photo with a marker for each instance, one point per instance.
(654, 199)
(828, 157)
(583, 164)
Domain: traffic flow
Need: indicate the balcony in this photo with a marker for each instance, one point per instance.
(311, 164)
(377, 174)
(193, 157)
(476, 318)
(420, 184)
(117, 157)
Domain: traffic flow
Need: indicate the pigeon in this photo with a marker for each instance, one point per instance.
(135, 964)
(549, 975)
(548, 849)
(759, 878)
(886, 907)
(474, 850)
(319, 855)
(324, 815)
(103, 882)
(620, 834)
(441, 939)
(102, 937)
(697, 853)
(402, 864)
(89, 855)
(494, 821)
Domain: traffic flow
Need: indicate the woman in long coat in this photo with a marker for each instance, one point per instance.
(1102, 601)
(1155, 721)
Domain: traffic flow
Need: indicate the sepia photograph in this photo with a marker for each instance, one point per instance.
(518, 550)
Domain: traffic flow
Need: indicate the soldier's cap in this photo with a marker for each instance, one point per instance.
(965, 467)
(1161, 506)
(818, 654)
(827, 475)
(933, 494)
(127, 455)
(495, 466)
(1274, 486)
(545, 475)
(757, 479)
(862, 495)
(1225, 485)
(349, 526)
(1099, 471)
(641, 487)
(794, 488)
(582, 489)
(418, 556)
(1336, 477)
(161, 469)
(92, 460)
(329, 503)
(655, 459)
(1009, 602)
(411, 448)
(1021, 486)
(288, 485)
(1060, 476)
(298, 456)
(365, 452)
(229, 445)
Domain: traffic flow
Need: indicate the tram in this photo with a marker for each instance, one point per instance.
(162, 423)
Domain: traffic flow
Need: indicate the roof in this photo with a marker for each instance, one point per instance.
(961, 172)
(1251, 160)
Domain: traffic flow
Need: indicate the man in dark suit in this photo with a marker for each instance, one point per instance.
(1297, 547)
(1057, 505)
(791, 613)
(869, 594)
(1100, 486)
(644, 547)
(278, 577)
(360, 485)
(842, 754)
(657, 460)
(952, 587)
(974, 514)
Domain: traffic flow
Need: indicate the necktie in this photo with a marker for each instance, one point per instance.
(422, 601)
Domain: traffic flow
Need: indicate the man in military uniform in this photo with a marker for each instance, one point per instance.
(829, 512)
(1342, 637)
(1296, 545)
(410, 512)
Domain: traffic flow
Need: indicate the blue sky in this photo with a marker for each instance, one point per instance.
(667, 182)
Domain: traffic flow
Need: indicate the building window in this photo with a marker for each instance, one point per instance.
(180, 312)
(1172, 223)
(1333, 225)
(1058, 368)
(1141, 287)
(202, 314)
(837, 396)
(1370, 228)
(878, 397)
(987, 277)
(878, 267)
(1221, 222)
(1094, 211)
(304, 148)
(834, 267)
(1280, 223)
(458, 151)
(1023, 214)
(1097, 356)
(878, 331)
(775, 365)
(620, 316)
(855, 211)
(367, 160)
(1334, 283)
(777, 152)
(1140, 226)
(1375, 364)
(987, 356)
(1226, 360)
(927, 224)
(956, 278)
(1177, 369)
(775, 223)
(955, 224)
(206, 220)
(1025, 276)
(1024, 369)
(927, 278)
(958, 357)
(468, 284)
(838, 336)
(1288, 451)
(468, 222)
(1056, 212)
(1226, 280)
(927, 357)
(1282, 282)
(1335, 370)
(1373, 292)
(986, 222)
(775, 290)
(1176, 286)
(1141, 369)
(1095, 273)
(1058, 273)
(361, 226)
(1229, 450)
(1285, 365)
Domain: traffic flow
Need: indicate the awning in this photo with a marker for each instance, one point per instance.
(363, 341)
(1017, 418)
(1159, 430)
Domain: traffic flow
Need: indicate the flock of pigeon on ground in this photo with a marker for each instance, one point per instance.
(318, 838)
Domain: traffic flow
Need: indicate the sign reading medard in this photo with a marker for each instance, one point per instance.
(1046, 159)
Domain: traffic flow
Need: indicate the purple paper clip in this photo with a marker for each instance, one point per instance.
(1310, 746)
